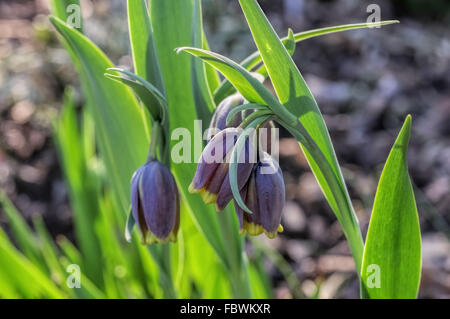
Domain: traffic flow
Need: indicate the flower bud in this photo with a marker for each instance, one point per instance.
(211, 179)
(155, 203)
(264, 195)
(219, 118)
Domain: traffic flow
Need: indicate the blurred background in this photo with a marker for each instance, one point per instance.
(365, 82)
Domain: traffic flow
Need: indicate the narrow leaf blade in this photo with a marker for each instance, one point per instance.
(204, 101)
(176, 73)
(225, 88)
(122, 134)
(294, 93)
(392, 254)
(142, 43)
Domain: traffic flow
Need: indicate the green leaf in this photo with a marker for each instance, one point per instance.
(294, 93)
(150, 96)
(61, 9)
(225, 89)
(221, 231)
(289, 43)
(211, 74)
(142, 43)
(121, 128)
(176, 70)
(243, 107)
(245, 82)
(392, 255)
(235, 156)
(204, 101)
(24, 276)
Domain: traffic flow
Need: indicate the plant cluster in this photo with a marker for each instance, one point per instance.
(129, 118)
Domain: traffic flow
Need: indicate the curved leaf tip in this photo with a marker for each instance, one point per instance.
(392, 255)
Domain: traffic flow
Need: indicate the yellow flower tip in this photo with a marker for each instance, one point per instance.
(208, 197)
(149, 238)
(144, 239)
(217, 208)
(172, 237)
(271, 235)
(274, 234)
(253, 229)
(280, 228)
(192, 189)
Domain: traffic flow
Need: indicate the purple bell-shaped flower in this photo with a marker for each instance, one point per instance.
(155, 203)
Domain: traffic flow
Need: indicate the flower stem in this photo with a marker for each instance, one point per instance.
(155, 143)
(236, 265)
(161, 255)
(345, 214)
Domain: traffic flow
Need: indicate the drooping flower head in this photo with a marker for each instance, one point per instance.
(155, 203)
(264, 195)
(219, 118)
(211, 179)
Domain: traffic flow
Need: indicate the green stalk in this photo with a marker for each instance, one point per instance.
(161, 254)
(156, 140)
(349, 222)
(239, 280)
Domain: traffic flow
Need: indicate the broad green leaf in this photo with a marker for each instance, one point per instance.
(211, 74)
(142, 43)
(176, 70)
(64, 9)
(250, 87)
(245, 82)
(204, 101)
(150, 96)
(289, 44)
(294, 93)
(225, 88)
(392, 254)
(220, 230)
(120, 124)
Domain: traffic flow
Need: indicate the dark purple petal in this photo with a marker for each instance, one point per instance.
(252, 201)
(244, 169)
(212, 157)
(271, 194)
(158, 193)
(136, 209)
(217, 179)
(219, 119)
(225, 194)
